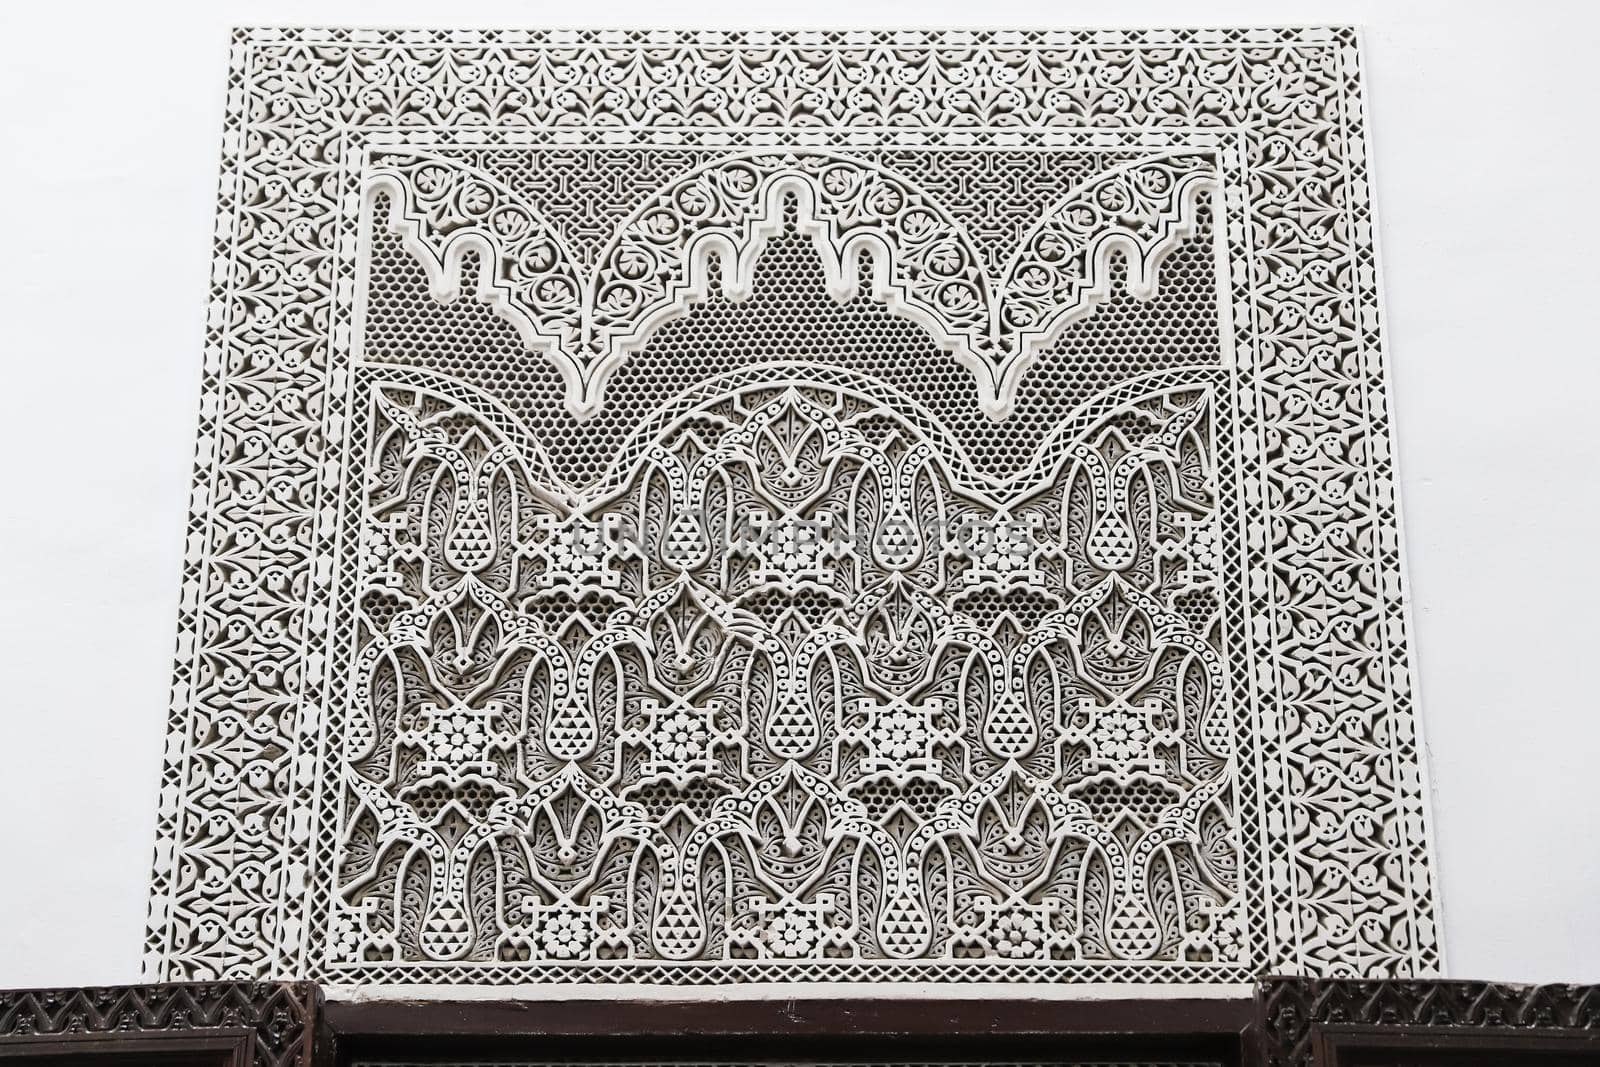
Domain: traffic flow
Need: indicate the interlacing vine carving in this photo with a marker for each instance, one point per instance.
(767, 507)
(792, 689)
(922, 263)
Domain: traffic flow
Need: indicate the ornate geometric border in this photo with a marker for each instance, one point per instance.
(1302, 1022)
(229, 1024)
(1343, 868)
(1297, 1022)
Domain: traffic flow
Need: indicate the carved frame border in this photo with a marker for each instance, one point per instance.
(1301, 1022)
(219, 1024)
(1292, 1022)
(237, 801)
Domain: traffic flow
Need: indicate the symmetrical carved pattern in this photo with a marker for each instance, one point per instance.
(1292, 1011)
(847, 507)
(1293, 1022)
(282, 1017)
(789, 689)
(922, 263)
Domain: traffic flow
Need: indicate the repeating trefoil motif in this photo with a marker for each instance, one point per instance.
(793, 507)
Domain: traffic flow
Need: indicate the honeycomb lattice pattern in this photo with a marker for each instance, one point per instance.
(790, 318)
(793, 507)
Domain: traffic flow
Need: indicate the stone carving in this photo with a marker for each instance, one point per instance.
(740, 705)
(685, 509)
(923, 264)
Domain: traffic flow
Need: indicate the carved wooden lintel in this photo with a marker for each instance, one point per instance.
(218, 1024)
(1389, 1023)
(1291, 1023)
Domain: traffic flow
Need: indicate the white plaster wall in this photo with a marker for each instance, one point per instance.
(1485, 129)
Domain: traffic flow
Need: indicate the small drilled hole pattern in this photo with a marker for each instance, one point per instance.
(793, 508)
(790, 318)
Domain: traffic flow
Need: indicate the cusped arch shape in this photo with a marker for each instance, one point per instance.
(443, 211)
(1061, 270)
(922, 264)
(769, 382)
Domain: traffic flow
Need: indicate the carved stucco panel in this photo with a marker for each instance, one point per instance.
(793, 507)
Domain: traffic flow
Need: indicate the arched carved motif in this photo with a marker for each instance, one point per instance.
(445, 211)
(267, 857)
(717, 220)
(791, 688)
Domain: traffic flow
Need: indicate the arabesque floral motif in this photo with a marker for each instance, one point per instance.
(442, 715)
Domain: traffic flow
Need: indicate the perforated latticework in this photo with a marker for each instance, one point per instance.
(790, 318)
(793, 508)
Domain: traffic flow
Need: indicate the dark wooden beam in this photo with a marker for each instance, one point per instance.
(934, 1017)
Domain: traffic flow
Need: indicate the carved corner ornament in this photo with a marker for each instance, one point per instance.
(871, 507)
(220, 1024)
(1298, 1022)
(1303, 1022)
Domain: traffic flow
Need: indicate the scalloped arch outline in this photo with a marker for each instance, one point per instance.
(560, 312)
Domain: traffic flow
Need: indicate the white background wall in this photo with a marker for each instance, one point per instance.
(1485, 126)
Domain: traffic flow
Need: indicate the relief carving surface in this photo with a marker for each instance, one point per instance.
(794, 507)
(273, 1024)
(1408, 1020)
